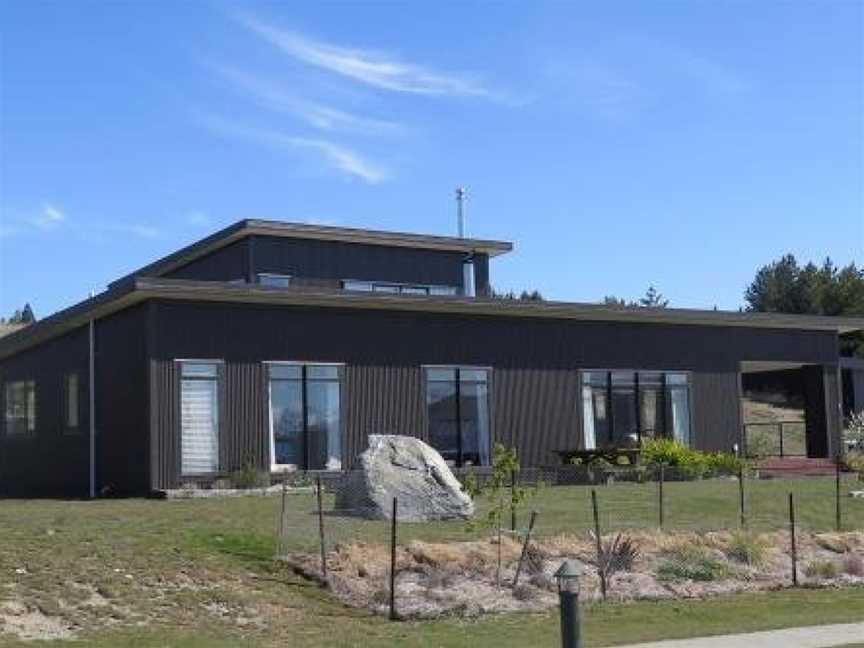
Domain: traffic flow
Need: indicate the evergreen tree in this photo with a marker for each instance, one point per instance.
(783, 286)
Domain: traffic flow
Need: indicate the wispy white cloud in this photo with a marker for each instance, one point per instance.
(197, 218)
(639, 75)
(345, 160)
(369, 67)
(49, 217)
(142, 231)
(272, 96)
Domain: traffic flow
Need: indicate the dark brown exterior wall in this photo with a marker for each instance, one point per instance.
(51, 461)
(122, 402)
(226, 264)
(536, 363)
(54, 462)
(336, 260)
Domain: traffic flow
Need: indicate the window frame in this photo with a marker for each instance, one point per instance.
(413, 289)
(664, 388)
(67, 428)
(303, 364)
(29, 431)
(274, 275)
(490, 400)
(220, 411)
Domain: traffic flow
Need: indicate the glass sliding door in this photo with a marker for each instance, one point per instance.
(288, 443)
(199, 417)
(457, 402)
(651, 412)
(305, 416)
(621, 408)
(323, 430)
(624, 412)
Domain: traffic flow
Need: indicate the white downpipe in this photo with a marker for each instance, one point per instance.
(92, 408)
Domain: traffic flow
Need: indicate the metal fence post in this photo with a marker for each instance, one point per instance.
(524, 548)
(321, 532)
(837, 512)
(393, 616)
(281, 543)
(792, 539)
(741, 507)
(513, 500)
(601, 571)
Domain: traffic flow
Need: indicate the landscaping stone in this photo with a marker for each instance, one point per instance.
(408, 469)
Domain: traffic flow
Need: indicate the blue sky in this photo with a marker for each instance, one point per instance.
(617, 144)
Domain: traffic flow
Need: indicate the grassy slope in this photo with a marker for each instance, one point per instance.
(168, 565)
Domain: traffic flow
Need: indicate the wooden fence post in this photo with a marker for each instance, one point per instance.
(524, 548)
(838, 522)
(513, 500)
(792, 539)
(601, 571)
(393, 616)
(321, 532)
(281, 544)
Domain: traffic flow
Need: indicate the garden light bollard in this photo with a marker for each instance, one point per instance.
(568, 597)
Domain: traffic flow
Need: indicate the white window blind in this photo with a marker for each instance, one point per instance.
(199, 419)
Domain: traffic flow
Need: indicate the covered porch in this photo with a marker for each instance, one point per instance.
(790, 409)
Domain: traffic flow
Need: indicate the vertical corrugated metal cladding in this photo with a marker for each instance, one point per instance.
(535, 381)
(715, 410)
(243, 439)
(53, 460)
(382, 400)
(122, 402)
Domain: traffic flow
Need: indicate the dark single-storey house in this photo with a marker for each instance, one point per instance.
(283, 346)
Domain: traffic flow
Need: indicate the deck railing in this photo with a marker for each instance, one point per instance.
(776, 438)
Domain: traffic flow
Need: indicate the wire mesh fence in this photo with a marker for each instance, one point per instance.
(322, 532)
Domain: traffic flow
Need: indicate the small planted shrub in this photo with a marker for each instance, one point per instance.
(692, 562)
(249, 476)
(747, 548)
(853, 564)
(619, 555)
(686, 462)
(821, 569)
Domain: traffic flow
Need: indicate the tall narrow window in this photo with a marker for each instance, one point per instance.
(199, 417)
(651, 413)
(678, 407)
(457, 400)
(70, 401)
(595, 412)
(20, 408)
(305, 416)
(624, 413)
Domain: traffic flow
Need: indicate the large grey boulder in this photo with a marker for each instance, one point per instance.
(408, 469)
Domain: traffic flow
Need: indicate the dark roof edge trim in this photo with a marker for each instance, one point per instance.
(207, 291)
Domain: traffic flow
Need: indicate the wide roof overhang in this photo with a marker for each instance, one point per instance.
(144, 288)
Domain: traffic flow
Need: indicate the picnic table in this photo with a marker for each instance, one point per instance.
(612, 455)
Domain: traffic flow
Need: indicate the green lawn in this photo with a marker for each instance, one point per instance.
(200, 573)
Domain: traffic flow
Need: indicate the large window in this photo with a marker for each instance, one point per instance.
(199, 417)
(20, 408)
(305, 416)
(70, 402)
(397, 288)
(457, 401)
(620, 408)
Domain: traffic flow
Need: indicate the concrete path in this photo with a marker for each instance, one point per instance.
(809, 637)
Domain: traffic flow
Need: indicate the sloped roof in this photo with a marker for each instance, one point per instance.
(249, 227)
